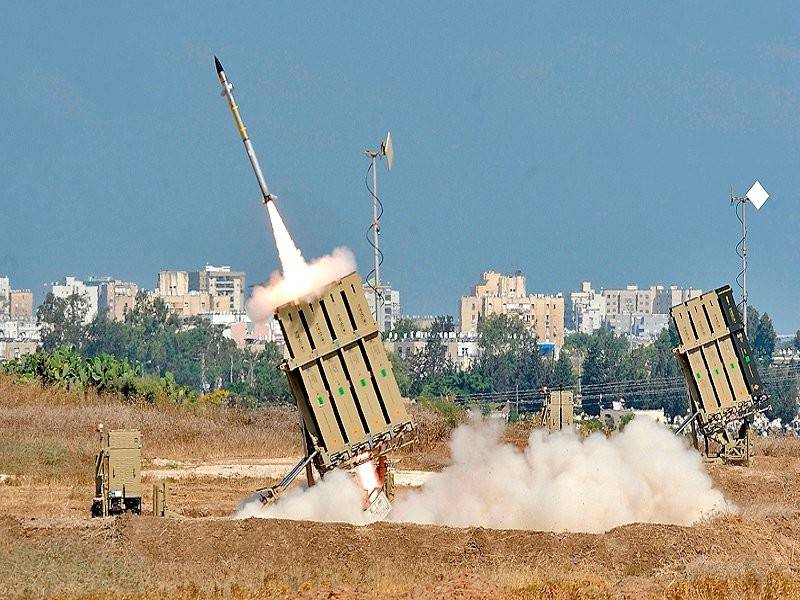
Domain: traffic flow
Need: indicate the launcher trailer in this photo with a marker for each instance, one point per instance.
(725, 389)
(342, 381)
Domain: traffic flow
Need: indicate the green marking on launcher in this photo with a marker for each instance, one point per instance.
(697, 375)
(363, 382)
(384, 373)
(747, 360)
(341, 391)
(320, 400)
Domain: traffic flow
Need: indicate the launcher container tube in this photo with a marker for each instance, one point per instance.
(341, 378)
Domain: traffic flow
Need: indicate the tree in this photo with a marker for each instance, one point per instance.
(270, 385)
(664, 364)
(509, 354)
(62, 321)
(151, 314)
(403, 327)
(577, 341)
(431, 362)
(784, 392)
(796, 341)
(604, 356)
(761, 334)
(457, 383)
(563, 374)
(400, 370)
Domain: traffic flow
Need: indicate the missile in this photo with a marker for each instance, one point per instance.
(227, 91)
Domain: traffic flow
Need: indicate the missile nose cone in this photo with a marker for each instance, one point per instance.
(218, 64)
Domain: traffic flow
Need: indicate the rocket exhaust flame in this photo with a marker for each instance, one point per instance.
(367, 476)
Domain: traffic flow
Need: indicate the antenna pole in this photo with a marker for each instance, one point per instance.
(741, 249)
(744, 261)
(376, 241)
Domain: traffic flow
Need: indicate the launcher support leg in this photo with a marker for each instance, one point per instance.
(306, 449)
(687, 421)
(269, 495)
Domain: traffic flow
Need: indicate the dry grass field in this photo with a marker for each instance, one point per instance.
(50, 548)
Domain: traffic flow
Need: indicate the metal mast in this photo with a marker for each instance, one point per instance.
(756, 195)
(386, 151)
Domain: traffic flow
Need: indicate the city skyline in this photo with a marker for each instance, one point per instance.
(571, 143)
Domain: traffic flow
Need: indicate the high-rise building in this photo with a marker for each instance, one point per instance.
(390, 303)
(173, 283)
(21, 305)
(69, 286)
(5, 297)
(210, 290)
(641, 313)
(222, 282)
(667, 297)
(587, 309)
(115, 297)
(506, 294)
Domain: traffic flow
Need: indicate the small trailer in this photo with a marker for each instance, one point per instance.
(341, 378)
(118, 473)
(725, 389)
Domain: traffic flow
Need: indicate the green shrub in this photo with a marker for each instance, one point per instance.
(452, 414)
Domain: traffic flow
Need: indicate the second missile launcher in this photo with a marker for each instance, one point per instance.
(720, 372)
(341, 378)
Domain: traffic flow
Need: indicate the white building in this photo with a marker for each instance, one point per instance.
(246, 333)
(70, 285)
(389, 302)
(587, 309)
(461, 348)
(20, 330)
(642, 313)
(5, 297)
(667, 297)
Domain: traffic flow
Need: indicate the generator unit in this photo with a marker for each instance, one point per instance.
(118, 473)
(558, 410)
(342, 381)
(725, 389)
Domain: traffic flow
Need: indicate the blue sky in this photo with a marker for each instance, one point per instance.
(568, 141)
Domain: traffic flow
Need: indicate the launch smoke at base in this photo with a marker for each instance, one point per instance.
(560, 482)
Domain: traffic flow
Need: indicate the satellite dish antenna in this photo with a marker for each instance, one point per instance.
(756, 194)
(388, 151)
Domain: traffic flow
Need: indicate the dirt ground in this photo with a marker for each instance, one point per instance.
(49, 547)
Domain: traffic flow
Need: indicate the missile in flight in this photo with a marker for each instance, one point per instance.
(227, 91)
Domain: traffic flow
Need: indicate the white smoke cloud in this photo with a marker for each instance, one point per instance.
(302, 284)
(300, 280)
(336, 498)
(560, 482)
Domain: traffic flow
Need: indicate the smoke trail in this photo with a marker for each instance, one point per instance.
(559, 483)
(292, 262)
(299, 280)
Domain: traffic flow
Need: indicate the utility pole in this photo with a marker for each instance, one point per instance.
(203, 371)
